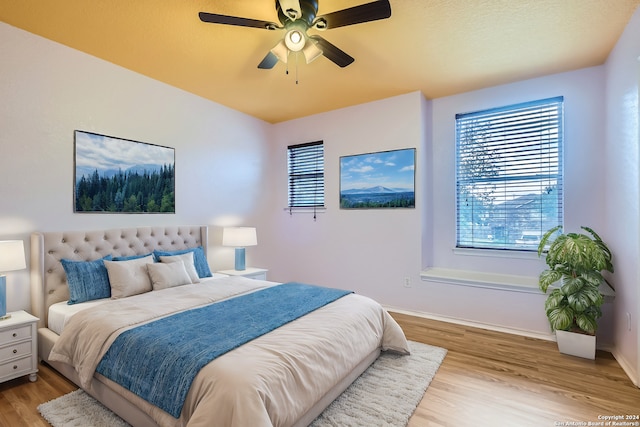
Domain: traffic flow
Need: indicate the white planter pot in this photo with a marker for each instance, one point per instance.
(575, 344)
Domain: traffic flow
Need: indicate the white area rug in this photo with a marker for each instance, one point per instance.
(386, 394)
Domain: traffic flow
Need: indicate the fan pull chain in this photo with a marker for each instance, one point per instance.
(296, 67)
(286, 70)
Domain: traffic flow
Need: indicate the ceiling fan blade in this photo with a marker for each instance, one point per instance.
(333, 53)
(214, 18)
(268, 62)
(368, 12)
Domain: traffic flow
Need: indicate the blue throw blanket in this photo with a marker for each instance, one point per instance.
(159, 360)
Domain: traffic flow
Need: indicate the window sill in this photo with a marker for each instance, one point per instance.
(306, 210)
(503, 282)
(497, 253)
(481, 280)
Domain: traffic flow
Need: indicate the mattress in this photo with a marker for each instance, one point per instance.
(61, 312)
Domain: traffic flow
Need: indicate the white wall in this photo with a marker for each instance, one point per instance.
(622, 191)
(372, 251)
(48, 90)
(583, 92)
(369, 251)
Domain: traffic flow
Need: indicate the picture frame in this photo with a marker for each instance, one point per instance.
(380, 180)
(117, 175)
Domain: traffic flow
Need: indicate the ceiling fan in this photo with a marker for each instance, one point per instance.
(298, 16)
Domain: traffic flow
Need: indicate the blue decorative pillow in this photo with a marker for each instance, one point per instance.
(199, 259)
(130, 257)
(88, 280)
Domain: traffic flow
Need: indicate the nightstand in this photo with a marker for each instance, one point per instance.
(251, 273)
(18, 346)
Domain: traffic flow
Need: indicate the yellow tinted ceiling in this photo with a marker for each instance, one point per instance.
(440, 47)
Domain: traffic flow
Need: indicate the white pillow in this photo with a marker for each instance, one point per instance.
(187, 260)
(168, 275)
(129, 277)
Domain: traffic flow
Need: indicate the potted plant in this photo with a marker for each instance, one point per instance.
(576, 261)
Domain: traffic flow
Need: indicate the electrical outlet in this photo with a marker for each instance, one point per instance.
(407, 282)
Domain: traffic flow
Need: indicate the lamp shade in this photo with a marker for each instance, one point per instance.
(12, 255)
(239, 236)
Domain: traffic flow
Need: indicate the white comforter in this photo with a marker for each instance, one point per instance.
(270, 381)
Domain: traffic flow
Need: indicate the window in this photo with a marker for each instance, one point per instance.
(306, 175)
(509, 175)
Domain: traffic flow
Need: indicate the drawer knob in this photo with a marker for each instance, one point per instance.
(15, 334)
(15, 366)
(15, 351)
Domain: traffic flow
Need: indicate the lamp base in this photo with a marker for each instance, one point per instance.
(240, 265)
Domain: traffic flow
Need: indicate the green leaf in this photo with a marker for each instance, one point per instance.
(571, 285)
(603, 247)
(594, 311)
(584, 298)
(587, 323)
(561, 318)
(545, 238)
(547, 278)
(554, 300)
(594, 278)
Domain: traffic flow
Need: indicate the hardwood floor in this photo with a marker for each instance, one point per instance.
(19, 398)
(496, 379)
(487, 379)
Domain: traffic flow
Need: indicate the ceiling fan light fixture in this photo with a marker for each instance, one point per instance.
(296, 37)
(281, 51)
(295, 40)
(311, 51)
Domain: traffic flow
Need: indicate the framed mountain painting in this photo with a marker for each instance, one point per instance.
(115, 175)
(385, 179)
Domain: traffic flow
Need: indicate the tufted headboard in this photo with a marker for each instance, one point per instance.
(48, 279)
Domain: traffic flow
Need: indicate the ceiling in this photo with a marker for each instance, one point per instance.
(439, 47)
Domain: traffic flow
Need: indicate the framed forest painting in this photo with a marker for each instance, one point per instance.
(115, 175)
(385, 179)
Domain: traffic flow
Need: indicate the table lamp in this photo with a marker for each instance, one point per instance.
(11, 259)
(240, 237)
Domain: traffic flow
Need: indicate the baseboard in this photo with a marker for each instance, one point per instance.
(480, 325)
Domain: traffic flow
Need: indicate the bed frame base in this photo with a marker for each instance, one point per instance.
(134, 416)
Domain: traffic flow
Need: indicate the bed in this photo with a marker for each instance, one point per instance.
(284, 377)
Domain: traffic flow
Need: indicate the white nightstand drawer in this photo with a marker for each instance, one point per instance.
(18, 346)
(16, 367)
(257, 276)
(14, 351)
(15, 334)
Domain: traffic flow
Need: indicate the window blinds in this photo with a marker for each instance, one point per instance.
(509, 175)
(306, 175)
